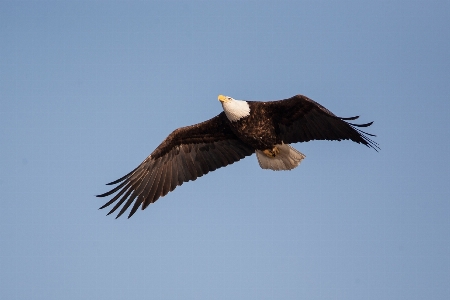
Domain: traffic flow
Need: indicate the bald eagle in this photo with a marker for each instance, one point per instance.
(243, 128)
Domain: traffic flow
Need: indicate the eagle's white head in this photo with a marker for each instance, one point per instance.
(234, 109)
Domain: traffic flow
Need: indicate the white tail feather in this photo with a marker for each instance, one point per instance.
(288, 158)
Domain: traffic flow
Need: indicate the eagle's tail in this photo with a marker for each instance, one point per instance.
(288, 158)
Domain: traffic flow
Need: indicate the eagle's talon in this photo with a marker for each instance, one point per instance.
(275, 151)
(272, 153)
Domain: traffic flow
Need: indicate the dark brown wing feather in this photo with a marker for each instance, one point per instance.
(186, 154)
(300, 119)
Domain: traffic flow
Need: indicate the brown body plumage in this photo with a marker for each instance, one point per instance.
(193, 151)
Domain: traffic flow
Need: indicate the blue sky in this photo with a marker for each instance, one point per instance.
(89, 89)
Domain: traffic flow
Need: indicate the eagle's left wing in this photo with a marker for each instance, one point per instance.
(300, 119)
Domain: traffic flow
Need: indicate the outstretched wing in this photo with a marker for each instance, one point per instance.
(300, 119)
(187, 153)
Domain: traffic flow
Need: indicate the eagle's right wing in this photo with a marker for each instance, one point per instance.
(187, 153)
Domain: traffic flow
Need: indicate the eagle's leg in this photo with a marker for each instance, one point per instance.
(272, 152)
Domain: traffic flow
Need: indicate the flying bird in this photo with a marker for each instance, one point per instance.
(243, 128)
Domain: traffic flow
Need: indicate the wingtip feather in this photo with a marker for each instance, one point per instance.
(350, 119)
(362, 125)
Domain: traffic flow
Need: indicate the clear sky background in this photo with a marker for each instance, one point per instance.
(89, 89)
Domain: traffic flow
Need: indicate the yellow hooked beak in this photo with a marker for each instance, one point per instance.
(223, 98)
